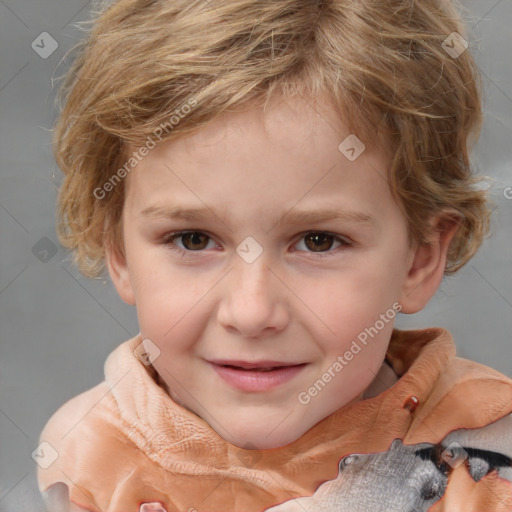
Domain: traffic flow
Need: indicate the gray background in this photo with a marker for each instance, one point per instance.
(57, 327)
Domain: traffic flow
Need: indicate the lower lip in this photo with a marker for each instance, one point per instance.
(255, 381)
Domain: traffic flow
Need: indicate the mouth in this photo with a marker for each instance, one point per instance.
(256, 376)
(256, 369)
(266, 365)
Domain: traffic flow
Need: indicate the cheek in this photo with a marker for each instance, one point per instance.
(352, 303)
(359, 291)
(168, 301)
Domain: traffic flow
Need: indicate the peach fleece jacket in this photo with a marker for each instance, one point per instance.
(125, 443)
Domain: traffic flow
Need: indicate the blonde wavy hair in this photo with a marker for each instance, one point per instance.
(382, 63)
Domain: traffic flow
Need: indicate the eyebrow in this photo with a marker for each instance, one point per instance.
(290, 217)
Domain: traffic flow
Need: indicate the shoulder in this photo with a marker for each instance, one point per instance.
(464, 395)
(479, 386)
(476, 383)
(71, 415)
(481, 391)
(93, 412)
(86, 447)
(90, 460)
(480, 463)
(82, 433)
(496, 437)
(479, 401)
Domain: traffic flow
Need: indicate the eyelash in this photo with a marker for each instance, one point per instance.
(188, 254)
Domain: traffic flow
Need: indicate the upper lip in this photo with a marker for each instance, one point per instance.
(253, 364)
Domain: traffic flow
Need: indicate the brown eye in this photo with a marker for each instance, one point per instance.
(319, 242)
(194, 241)
(322, 244)
(191, 241)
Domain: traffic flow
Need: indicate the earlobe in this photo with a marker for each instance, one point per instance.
(428, 264)
(118, 270)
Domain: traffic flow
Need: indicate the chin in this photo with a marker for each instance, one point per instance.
(261, 443)
(261, 439)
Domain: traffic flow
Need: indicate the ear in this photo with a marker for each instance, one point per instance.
(428, 262)
(118, 270)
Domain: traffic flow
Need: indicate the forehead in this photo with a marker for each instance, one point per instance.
(287, 122)
(294, 152)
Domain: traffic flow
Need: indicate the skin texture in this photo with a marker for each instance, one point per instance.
(249, 169)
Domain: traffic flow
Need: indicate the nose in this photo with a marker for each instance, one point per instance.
(253, 302)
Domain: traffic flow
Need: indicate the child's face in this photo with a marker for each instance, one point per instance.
(303, 300)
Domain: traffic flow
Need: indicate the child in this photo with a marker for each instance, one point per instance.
(270, 183)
